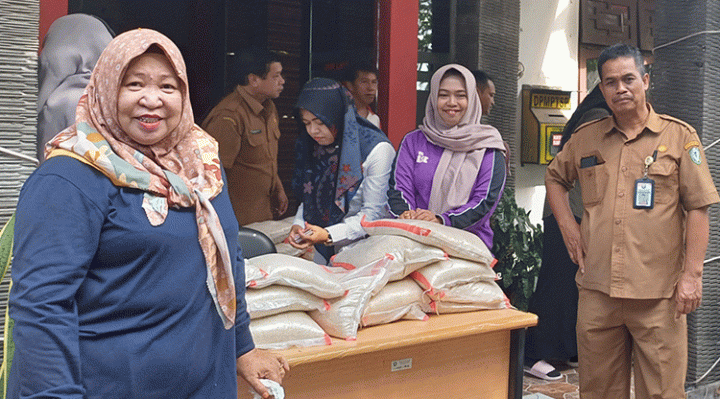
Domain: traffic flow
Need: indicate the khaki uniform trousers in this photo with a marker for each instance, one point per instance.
(612, 333)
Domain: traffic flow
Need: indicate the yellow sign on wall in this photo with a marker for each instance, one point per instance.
(543, 119)
(559, 100)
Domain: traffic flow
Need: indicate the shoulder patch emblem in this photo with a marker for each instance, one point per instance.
(695, 155)
(692, 144)
(662, 148)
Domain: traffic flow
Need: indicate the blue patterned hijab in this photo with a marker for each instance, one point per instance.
(327, 177)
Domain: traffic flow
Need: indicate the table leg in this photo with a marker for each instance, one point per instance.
(517, 355)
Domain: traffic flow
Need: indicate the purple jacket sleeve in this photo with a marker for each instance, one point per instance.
(401, 188)
(485, 195)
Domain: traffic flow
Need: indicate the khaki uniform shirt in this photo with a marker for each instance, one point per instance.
(634, 253)
(247, 133)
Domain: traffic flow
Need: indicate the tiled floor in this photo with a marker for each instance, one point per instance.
(566, 388)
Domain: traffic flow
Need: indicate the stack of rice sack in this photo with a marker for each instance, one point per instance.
(342, 319)
(403, 270)
(400, 256)
(295, 302)
(464, 281)
(278, 231)
(281, 289)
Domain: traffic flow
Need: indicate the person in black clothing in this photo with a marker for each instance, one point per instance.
(556, 296)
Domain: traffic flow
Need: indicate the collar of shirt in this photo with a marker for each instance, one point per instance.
(256, 106)
(653, 123)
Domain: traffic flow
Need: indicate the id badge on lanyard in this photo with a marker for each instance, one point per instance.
(644, 197)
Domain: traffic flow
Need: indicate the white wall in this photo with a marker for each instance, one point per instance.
(549, 32)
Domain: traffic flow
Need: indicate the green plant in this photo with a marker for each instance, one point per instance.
(6, 245)
(425, 26)
(6, 241)
(517, 246)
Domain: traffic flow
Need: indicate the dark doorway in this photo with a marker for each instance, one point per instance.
(208, 32)
(314, 38)
(343, 32)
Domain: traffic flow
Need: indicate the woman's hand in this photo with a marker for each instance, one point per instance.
(424, 214)
(302, 238)
(409, 214)
(294, 237)
(260, 364)
(419, 214)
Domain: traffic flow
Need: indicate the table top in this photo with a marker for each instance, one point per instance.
(410, 332)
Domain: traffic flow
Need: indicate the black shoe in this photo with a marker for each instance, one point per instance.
(573, 362)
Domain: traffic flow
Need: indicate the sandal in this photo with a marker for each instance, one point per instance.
(543, 370)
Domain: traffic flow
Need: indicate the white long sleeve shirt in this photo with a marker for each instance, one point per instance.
(368, 201)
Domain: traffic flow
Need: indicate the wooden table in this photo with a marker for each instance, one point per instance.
(462, 355)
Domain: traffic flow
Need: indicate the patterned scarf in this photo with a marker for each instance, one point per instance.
(182, 170)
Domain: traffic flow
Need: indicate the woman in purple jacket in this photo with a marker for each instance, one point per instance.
(452, 169)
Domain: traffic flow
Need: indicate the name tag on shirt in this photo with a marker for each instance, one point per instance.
(644, 193)
(255, 131)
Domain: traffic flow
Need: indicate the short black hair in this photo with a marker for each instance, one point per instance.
(621, 50)
(350, 73)
(481, 78)
(252, 60)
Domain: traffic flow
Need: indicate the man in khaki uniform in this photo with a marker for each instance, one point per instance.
(245, 124)
(646, 189)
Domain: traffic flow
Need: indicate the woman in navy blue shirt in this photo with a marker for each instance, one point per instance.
(127, 279)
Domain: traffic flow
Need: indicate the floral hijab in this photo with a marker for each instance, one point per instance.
(182, 170)
(326, 178)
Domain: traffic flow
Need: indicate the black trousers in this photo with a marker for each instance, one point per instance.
(554, 301)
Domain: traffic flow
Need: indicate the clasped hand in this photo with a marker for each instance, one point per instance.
(420, 214)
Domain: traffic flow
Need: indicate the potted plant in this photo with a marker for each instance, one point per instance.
(517, 246)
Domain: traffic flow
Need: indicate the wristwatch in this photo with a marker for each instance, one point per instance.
(329, 241)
